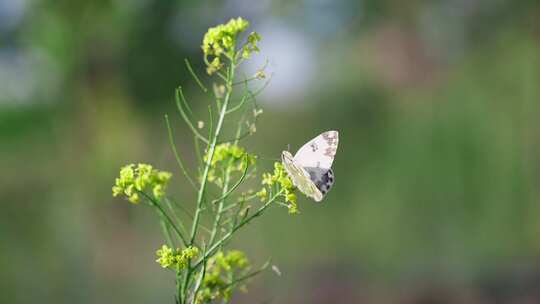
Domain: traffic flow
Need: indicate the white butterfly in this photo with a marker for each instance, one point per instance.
(311, 168)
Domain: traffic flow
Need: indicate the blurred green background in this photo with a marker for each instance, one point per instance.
(437, 104)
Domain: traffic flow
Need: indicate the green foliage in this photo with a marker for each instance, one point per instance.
(225, 271)
(228, 158)
(213, 275)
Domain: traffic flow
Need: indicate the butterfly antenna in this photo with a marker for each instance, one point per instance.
(289, 147)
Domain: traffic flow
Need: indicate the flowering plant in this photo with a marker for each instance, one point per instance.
(205, 271)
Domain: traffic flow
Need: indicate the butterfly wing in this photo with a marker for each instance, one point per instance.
(300, 177)
(310, 169)
(323, 179)
(319, 152)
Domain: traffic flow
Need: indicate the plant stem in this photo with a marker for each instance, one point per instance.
(166, 216)
(200, 196)
(217, 220)
(166, 233)
(176, 155)
(204, 178)
(229, 234)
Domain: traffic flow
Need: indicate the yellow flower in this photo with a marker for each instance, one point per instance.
(169, 258)
(262, 195)
(164, 176)
(285, 183)
(222, 39)
(228, 157)
(291, 198)
(141, 178)
(293, 209)
(134, 198)
(117, 191)
(158, 191)
(260, 75)
(165, 256)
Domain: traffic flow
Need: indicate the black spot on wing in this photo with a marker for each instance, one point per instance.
(323, 179)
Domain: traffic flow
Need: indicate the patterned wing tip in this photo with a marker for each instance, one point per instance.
(326, 183)
(332, 133)
(331, 136)
(322, 180)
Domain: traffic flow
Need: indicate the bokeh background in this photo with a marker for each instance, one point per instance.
(438, 169)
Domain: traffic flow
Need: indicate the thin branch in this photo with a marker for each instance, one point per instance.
(229, 207)
(201, 277)
(179, 206)
(169, 220)
(166, 232)
(246, 80)
(179, 96)
(198, 153)
(188, 65)
(238, 105)
(176, 155)
(245, 221)
(249, 275)
(240, 180)
(175, 214)
(211, 121)
(182, 208)
(184, 101)
(266, 83)
(219, 212)
(221, 76)
(255, 107)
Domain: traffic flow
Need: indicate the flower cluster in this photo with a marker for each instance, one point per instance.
(134, 179)
(221, 40)
(228, 157)
(222, 270)
(251, 45)
(177, 259)
(280, 180)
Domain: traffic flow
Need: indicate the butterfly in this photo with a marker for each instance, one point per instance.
(311, 167)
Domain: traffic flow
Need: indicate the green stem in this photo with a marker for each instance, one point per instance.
(175, 152)
(199, 282)
(180, 294)
(183, 287)
(166, 216)
(204, 178)
(242, 223)
(179, 98)
(226, 191)
(217, 220)
(247, 276)
(199, 82)
(167, 233)
(200, 196)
